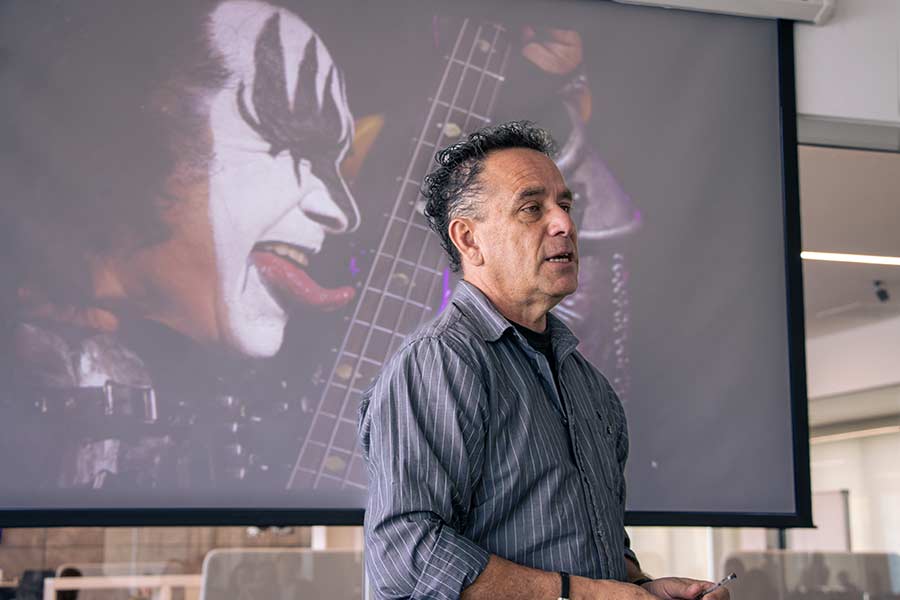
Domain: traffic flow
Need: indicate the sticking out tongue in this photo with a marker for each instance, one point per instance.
(289, 283)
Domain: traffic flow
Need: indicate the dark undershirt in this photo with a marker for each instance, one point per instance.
(543, 344)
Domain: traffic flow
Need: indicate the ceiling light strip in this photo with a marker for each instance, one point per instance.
(867, 259)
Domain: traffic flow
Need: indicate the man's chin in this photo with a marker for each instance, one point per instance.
(561, 294)
(565, 286)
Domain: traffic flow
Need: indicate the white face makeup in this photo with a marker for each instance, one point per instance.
(280, 127)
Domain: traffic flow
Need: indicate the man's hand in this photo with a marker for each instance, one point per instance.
(682, 588)
(556, 51)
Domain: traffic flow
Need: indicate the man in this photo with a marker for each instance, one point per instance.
(496, 452)
(171, 174)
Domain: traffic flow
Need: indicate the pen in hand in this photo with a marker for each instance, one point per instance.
(717, 586)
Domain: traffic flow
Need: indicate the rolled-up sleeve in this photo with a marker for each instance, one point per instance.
(422, 430)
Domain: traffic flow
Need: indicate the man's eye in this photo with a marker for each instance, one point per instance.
(532, 208)
(566, 207)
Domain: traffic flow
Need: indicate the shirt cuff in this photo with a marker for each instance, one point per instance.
(455, 563)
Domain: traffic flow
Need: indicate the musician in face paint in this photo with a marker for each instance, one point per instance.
(237, 153)
(280, 127)
(183, 181)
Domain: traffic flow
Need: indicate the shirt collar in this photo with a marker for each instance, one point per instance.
(490, 325)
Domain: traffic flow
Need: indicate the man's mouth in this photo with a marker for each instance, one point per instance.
(562, 257)
(282, 268)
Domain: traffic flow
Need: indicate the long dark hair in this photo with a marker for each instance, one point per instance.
(100, 103)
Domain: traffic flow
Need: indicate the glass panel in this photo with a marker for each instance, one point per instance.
(181, 563)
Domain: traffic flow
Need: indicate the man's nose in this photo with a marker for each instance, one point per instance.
(561, 222)
(331, 206)
(320, 209)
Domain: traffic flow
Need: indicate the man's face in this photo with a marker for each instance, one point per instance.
(280, 127)
(525, 234)
(241, 238)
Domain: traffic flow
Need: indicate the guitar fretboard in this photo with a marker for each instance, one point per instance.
(408, 281)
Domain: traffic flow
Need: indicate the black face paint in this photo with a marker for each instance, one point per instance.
(306, 129)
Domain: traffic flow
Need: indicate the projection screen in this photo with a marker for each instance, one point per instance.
(213, 239)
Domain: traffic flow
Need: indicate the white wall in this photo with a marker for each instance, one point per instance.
(870, 470)
(857, 359)
(849, 68)
(663, 551)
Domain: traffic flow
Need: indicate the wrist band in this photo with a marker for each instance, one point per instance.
(564, 589)
(641, 581)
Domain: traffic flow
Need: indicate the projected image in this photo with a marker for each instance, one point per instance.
(212, 236)
(154, 292)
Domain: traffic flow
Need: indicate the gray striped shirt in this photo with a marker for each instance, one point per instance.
(471, 452)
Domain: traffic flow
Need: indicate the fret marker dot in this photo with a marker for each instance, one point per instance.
(344, 371)
(400, 279)
(452, 130)
(484, 45)
(335, 463)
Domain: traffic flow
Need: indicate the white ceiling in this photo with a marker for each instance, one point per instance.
(849, 202)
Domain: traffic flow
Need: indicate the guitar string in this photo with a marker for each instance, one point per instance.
(429, 242)
(406, 229)
(418, 265)
(470, 114)
(306, 441)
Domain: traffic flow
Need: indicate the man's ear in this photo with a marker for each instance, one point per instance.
(462, 234)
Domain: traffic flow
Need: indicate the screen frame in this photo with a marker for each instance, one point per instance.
(801, 517)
